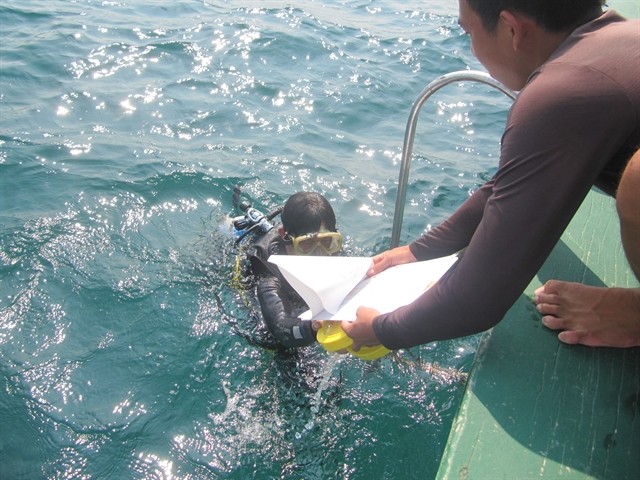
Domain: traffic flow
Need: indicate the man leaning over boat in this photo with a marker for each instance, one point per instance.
(574, 124)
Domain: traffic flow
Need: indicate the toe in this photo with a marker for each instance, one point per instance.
(554, 323)
(546, 298)
(538, 291)
(571, 337)
(548, 309)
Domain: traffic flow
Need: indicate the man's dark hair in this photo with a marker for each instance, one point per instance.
(552, 15)
(305, 212)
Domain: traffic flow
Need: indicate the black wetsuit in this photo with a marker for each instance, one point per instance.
(279, 302)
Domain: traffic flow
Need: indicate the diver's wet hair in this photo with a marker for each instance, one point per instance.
(305, 212)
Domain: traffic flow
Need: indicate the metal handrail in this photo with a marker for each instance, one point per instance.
(409, 134)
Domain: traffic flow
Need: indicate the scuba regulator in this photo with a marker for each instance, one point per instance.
(253, 221)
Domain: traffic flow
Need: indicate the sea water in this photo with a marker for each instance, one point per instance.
(125, 348)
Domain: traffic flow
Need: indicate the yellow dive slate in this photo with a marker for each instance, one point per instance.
(333, 338)
(370, 353)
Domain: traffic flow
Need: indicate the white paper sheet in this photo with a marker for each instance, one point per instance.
(334, 287)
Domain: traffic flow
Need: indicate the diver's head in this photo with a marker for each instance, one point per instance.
(309, 225)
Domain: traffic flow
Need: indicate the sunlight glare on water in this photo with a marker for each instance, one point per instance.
(125, 350)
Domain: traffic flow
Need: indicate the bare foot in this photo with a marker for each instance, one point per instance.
(592, 316)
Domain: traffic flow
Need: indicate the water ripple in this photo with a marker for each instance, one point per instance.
(125, 348)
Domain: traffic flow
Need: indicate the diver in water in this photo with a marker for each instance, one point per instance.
(308, 227)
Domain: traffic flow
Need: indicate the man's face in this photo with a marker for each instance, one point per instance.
(493, 49)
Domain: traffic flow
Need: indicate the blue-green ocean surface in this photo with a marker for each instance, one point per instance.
(125, 352)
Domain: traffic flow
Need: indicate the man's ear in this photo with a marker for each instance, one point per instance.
(281, 230)
(515, 26)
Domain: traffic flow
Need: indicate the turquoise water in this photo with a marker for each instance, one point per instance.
(124, 126)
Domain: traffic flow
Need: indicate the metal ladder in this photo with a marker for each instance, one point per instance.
(409, 134)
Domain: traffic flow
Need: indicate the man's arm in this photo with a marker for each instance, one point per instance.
(558, 138)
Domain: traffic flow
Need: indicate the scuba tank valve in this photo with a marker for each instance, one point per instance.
(253, 221)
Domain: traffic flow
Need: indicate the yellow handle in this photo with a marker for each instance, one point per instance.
(370, 353)
(333, 338)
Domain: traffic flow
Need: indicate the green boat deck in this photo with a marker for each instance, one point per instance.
(537, 408)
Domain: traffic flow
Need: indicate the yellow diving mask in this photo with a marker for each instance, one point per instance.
(319, 243)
